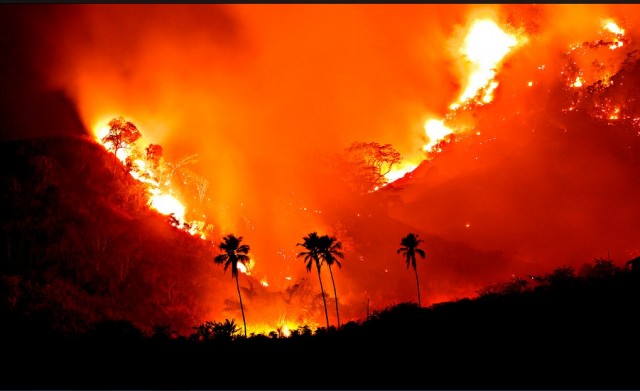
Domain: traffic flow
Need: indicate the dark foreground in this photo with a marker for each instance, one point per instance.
(571, 334)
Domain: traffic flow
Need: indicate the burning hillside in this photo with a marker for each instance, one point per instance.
(507, 137)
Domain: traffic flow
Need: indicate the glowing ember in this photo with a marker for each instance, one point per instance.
(615, 114)
(578, 83)
(264, 282)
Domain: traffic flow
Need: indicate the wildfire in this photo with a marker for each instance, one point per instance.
(436, 130)
(578, 83)
(588, 68)
(613, 27)
(246, 268)
(168, 204)
(484, 48)
(162, 196)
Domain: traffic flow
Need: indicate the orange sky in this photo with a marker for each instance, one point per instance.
(263, 94)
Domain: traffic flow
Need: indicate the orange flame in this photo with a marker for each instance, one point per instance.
(484, 48)
(161, 197)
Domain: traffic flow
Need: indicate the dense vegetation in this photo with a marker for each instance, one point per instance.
(570, 332)
(87, 303)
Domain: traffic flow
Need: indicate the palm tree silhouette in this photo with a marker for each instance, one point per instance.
(311, 242)
(233, 253)
(330, 252)
(409, 250)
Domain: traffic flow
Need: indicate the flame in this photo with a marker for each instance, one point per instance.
(168, 204)
(436, 131)
(485, 46)
(247, 267)
(283, 327)
(396, 173)
(583, 72)
(161, 196)
(578, 83)
(612, 26)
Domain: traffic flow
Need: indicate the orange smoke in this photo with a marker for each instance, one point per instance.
(263, 93)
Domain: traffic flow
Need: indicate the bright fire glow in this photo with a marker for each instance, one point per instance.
(161, 198)
(168, 204)
(436, 130)
(247, 267)
(613, 27)
(578, 83)
(485, 46)
(398, 172)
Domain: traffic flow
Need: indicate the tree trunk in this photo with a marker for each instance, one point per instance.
(415, 269)
(335, 294)
(326, 314)
(241, 307)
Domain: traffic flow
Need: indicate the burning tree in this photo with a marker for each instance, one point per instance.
(154, 154)
(234, 252)
(409, 249)
(368, 163)
(312, 243)
(121, 134)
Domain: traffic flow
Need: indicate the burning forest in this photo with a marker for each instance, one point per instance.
(148, 140)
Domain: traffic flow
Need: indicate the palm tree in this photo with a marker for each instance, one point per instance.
(233, 253)
(311, 242)
(330, 252)
(409, 249)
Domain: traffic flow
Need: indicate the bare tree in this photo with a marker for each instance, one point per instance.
(200, 183)
(368, 163)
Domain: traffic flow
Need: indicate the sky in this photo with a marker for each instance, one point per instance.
(267, 95)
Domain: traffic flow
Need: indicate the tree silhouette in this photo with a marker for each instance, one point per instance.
(330, 252)
(233, 252)
(225, 330)
(311, 242)
(409, 250)
(368, 163)
(121, 134)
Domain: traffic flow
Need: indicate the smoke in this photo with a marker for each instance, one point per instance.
(265, 94)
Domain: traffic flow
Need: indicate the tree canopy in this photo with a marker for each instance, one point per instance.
(368, 163)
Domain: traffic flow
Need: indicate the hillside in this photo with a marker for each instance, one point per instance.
(570, 332)
(80, 244)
